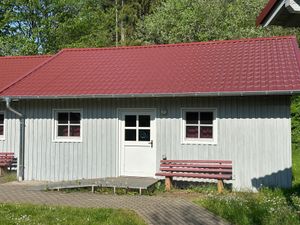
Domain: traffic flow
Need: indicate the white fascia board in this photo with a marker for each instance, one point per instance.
(273, 14)
(293, 6)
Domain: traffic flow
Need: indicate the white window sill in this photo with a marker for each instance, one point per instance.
(2, 138)
(68, 140)
(199, 142)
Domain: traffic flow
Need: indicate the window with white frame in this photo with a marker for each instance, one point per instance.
(68, 125)
(2, 125)
(199, 125)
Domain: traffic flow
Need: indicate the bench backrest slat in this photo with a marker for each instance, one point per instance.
(203, 170)
(197, 165)
(197, 161)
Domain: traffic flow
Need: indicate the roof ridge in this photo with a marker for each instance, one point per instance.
(30, 72)
(184, 44)
(25, 56)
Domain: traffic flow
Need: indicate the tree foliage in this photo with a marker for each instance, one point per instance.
(45, 26)
(203, 20)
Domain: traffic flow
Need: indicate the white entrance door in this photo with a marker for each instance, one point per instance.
(137, 142)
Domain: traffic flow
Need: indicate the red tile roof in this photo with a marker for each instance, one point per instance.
(14, 67)
(247, 66)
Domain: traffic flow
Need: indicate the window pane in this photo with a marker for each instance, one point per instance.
(206, 118)
(75, 118)
(75, 131)
(130, 121)
(144, 121)
(191, 132)
(62, 131)
(144, 135)
(206, 132)
(192, 118)
(130, 135)
(1, 118)
(1, 129)
(62, 118)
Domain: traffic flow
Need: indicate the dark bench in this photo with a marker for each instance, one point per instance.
(6, 161)
(203, 169)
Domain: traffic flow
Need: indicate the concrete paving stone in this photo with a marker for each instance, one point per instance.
(154, 209)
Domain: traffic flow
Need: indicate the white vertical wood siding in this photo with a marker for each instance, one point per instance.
(254, 132)
(11, 131)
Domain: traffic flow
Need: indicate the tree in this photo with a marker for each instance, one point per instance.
(46, 26)
(202, 20)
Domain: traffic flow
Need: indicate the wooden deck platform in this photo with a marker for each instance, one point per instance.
(139, 183)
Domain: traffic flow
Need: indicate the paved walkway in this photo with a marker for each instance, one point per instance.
(154, 209)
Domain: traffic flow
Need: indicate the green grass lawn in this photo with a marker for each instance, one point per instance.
(46, 215)
(267, 207)
(8, 177)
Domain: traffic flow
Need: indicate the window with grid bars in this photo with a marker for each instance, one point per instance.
(68, 125)
(199, 125)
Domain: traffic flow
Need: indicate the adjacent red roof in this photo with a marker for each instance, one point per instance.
(12, 68)
(207, 68)
(265, 12)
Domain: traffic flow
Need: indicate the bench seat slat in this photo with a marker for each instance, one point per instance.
(197, 161)
(196, 165)
(197, 170)
(196, 175)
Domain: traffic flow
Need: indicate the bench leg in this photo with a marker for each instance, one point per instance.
(220, 186)
(168, 183)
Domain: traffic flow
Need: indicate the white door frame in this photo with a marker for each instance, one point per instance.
(120, 138)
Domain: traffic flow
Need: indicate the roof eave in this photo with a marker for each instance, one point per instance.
(200, 94)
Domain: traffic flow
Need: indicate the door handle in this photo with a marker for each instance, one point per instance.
(151, 143)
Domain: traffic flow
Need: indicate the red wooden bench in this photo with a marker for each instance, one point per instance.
(6, 160)
(204, 169)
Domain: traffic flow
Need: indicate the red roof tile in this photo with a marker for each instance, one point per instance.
(12, 68)
(248, 65)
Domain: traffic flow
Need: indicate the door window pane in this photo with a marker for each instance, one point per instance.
(144, 121)
(130, 135)
(130, 121)
(75, 118)
(206, 132)
(191, 117)
(144, 135)
(62, 131)
(191, 132)
(75, 131)
(206, 118)
(62, 118)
